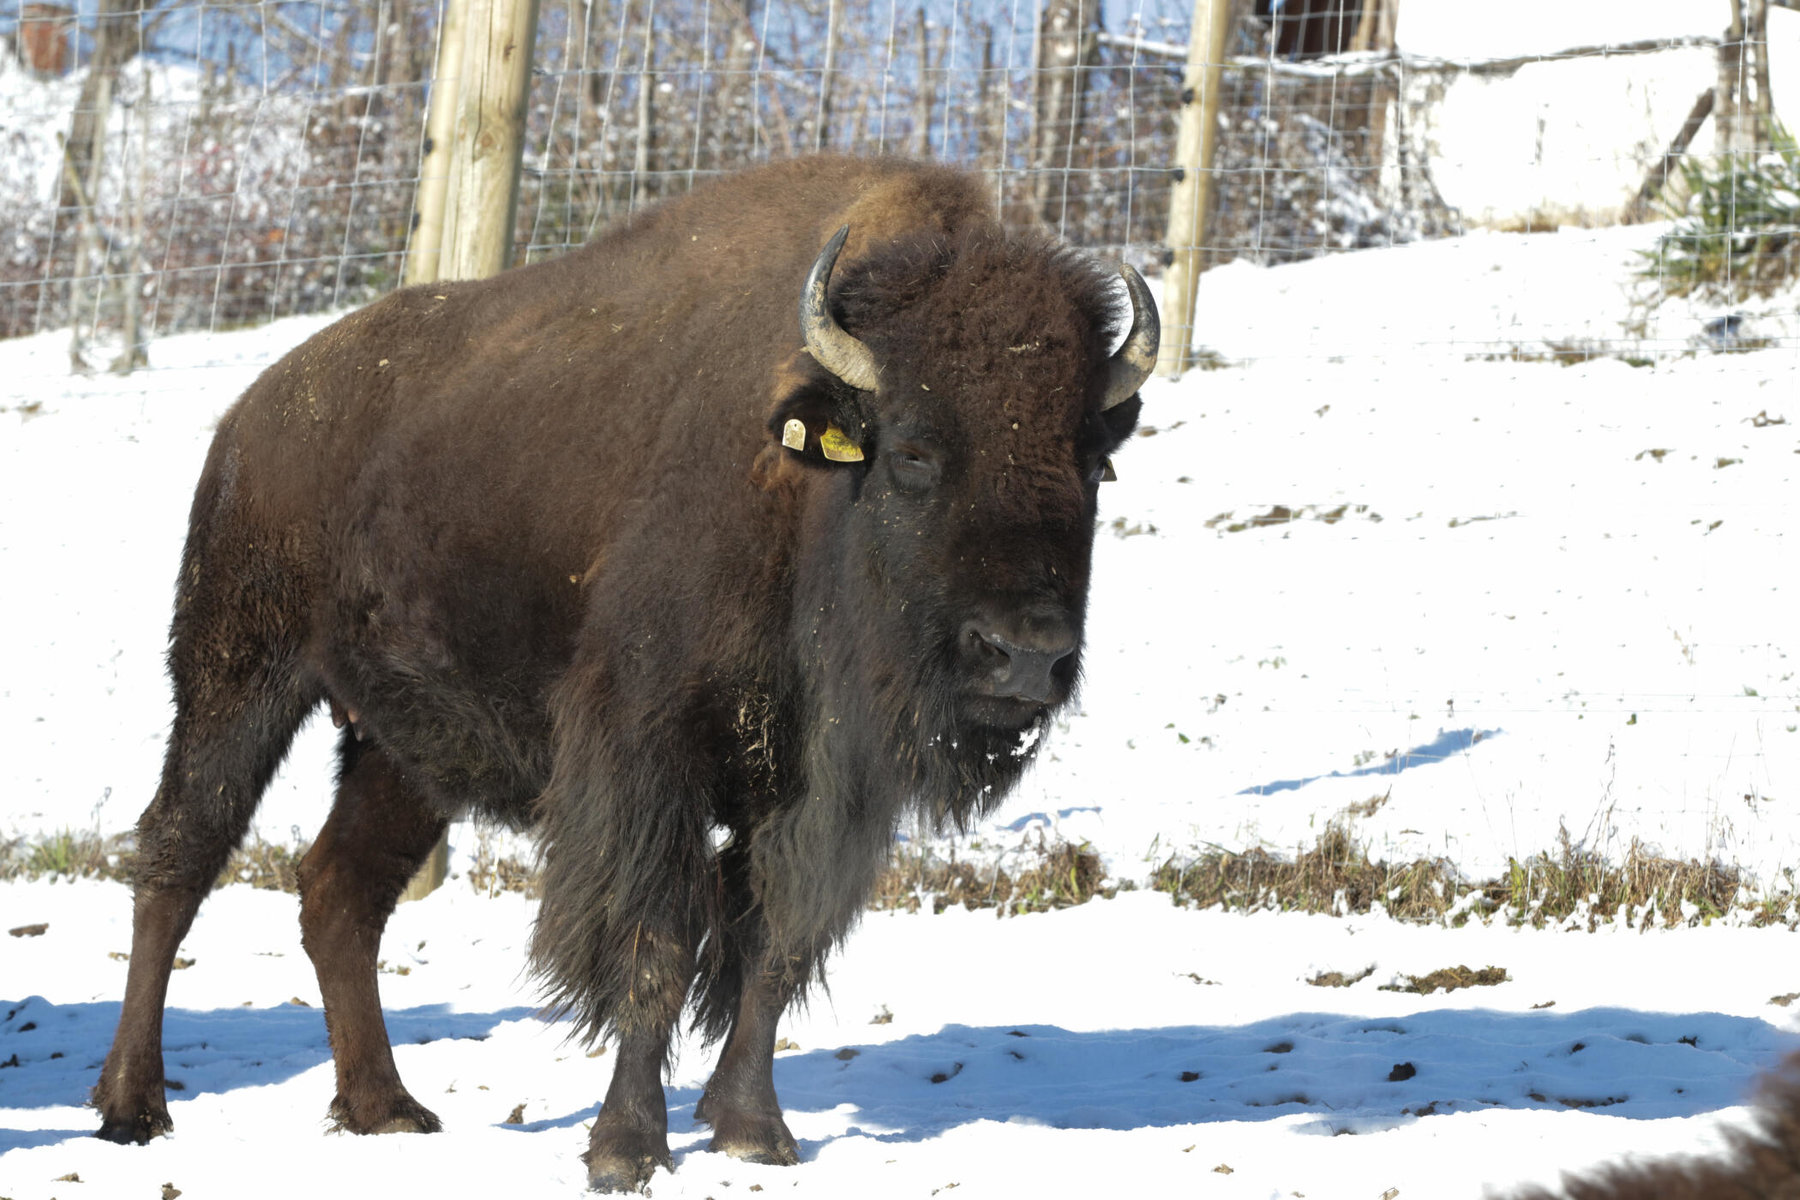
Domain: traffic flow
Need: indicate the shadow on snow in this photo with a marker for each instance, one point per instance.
(1447, 743)
(1348, 1074)
(50, 1054)
(1352, 1074)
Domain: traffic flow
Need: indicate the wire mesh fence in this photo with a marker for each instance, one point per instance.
(178, 165)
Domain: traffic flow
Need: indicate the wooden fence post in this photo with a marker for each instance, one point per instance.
(488, 139)
(1194, 142)
(490, 78)
(425, 248)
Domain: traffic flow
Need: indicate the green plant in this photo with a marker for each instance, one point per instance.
(67, 853)
(1737, 226)
(55, 855)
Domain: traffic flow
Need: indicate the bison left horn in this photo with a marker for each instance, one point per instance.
(1136, 359)
(835, 350)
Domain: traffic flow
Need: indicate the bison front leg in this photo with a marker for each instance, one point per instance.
(795, 893)
(739, 1102)
(378, 833)
(630, 1138)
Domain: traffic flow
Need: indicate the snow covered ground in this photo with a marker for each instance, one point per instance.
(1512, 598)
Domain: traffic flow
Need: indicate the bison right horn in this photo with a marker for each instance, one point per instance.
(835, 350)
(1136, 359)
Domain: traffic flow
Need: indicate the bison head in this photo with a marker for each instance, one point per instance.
(959, 392)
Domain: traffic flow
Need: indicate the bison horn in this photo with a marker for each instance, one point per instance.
(1132, 365)
(835, 350)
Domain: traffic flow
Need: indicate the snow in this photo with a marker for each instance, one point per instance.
(1555, 599)
(1531, 145)
(1568, 139)
(1116, 1001)
(1443, 28)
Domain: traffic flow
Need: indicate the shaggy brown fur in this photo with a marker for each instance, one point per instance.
(537, 543)
(1762, 1162)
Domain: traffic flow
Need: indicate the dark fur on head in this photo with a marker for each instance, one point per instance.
(959, 319)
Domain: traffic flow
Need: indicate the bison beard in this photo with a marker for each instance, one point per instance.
(619, 547)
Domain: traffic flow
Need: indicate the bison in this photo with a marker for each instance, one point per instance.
(1761, 1160)
(710, 588)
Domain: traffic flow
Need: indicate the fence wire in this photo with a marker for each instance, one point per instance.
(177, 166)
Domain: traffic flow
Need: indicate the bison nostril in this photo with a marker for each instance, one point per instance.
(1014, 669)
(986, 650)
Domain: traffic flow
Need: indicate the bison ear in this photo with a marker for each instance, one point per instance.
(812, 419)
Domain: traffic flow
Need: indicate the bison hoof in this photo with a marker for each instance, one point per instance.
(622, 1160)
(755, 1138)
(402, 1114)
(153, 1121)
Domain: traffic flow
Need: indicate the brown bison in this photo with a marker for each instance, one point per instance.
(709, 587)
(1761, 1162)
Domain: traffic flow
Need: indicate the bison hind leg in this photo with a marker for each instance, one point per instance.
(240, 696)
(380, 830)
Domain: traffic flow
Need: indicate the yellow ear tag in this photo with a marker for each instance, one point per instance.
(1107, 474)
(793, 434)
(837, 447)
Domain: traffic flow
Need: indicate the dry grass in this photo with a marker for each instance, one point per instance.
(1567, 353)
(1281, 514)
(1052, 875)
(1568, 887)
(1335, 877)
(73, 855)
(495, 873)
(273, 868)
(1449, 979)
(1339, 979)
(1647, 889)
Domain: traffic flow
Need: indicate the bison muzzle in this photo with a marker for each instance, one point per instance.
(710, 588)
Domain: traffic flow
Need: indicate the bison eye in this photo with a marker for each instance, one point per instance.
(913, 470)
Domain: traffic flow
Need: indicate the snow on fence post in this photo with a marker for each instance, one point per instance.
(490, 77)
(1194, 142)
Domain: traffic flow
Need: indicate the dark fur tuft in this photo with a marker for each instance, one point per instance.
(1760, 1163)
